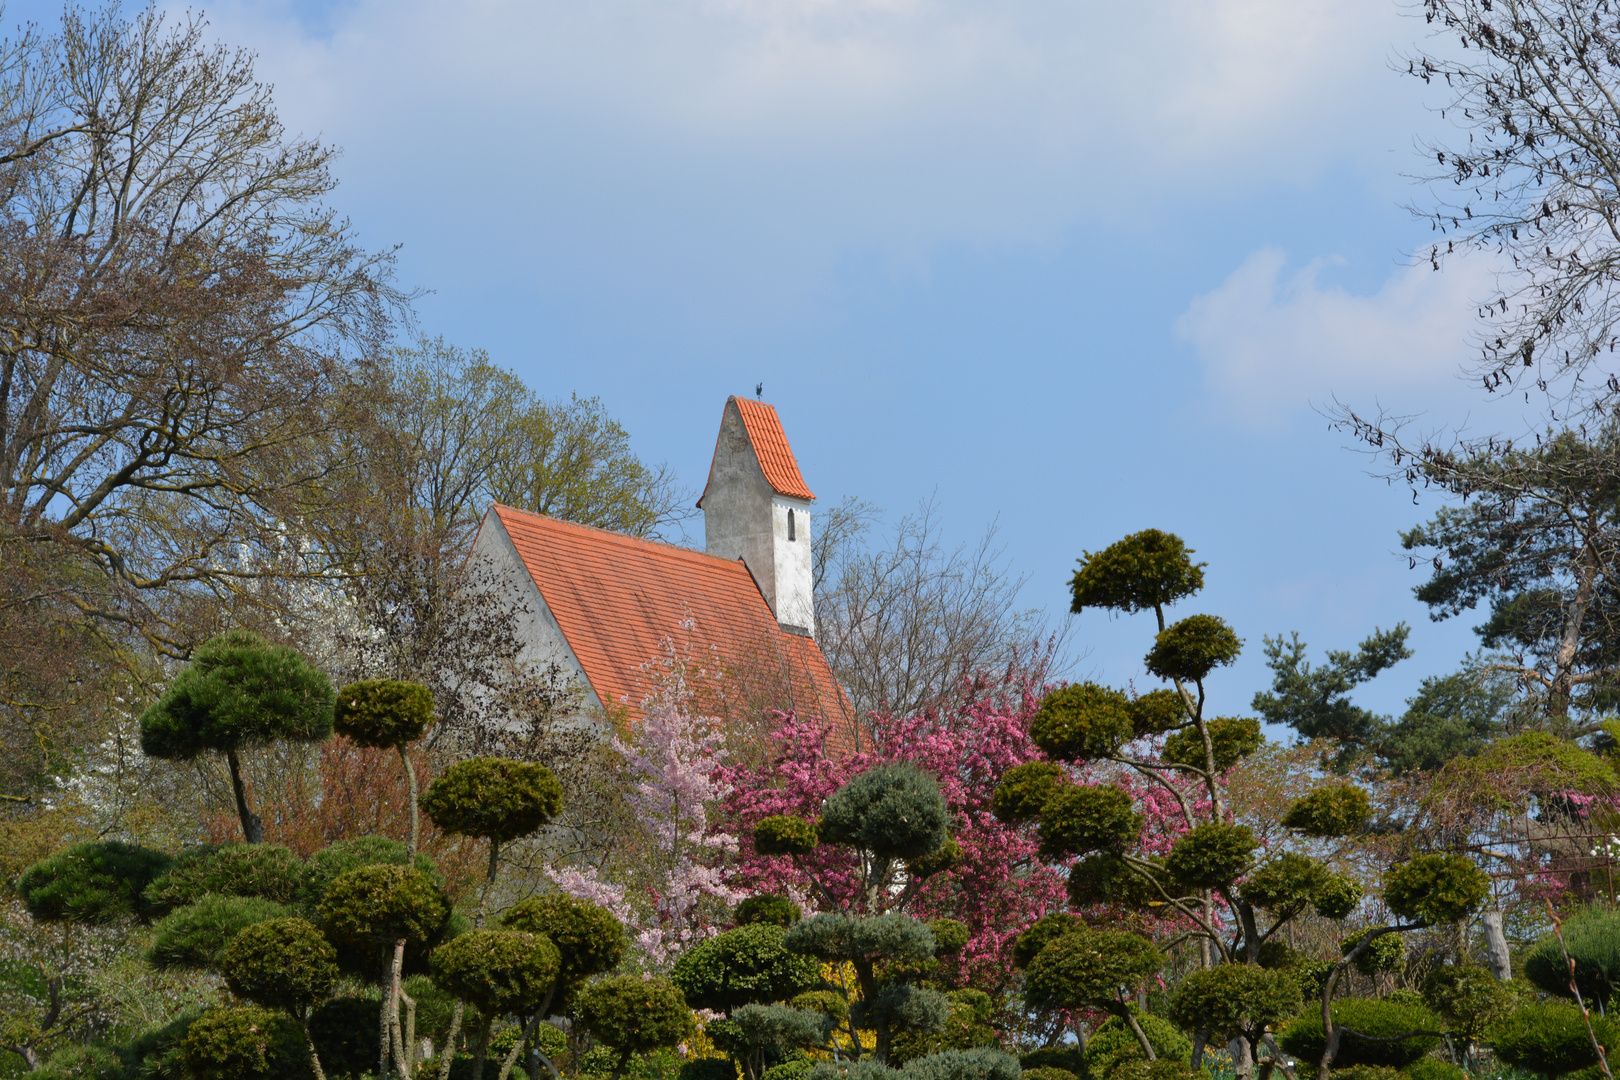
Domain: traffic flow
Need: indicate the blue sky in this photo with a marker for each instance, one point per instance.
(1077, 267)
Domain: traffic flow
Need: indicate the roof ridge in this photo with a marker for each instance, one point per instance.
(661, 545)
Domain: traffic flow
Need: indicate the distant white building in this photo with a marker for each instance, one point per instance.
(600, 604)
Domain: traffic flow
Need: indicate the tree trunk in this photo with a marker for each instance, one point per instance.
(410, 1031)
(252, 827)
(1129, 1017)
(449, 1051)
(385, 1029)
(1496, 947)
(416, 813)
(483, 1048)
(314, 1058)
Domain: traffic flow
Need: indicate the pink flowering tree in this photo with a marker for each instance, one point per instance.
(670, 887)
(998, 886)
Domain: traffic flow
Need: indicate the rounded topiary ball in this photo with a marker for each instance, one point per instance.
(635, 1014)
(1190, 649)
(1383, 1020)
(500, 971)
(379, 905)
(748, 964)
(1436, 888)
(496, 798)
(1549, 1038)
(784, 834)
(330, 863)
(280, 964)
(245, 1043)
(1384, 954)
(1081, 818)
(1211, 855)
(893, 811)
(196, 935)
(1087, 967)
(383, 712)
(97, 882)
(1328, 812)
(766, 908)
(1083, 721)
(1230, 738)
(266, 870)
(1023, 791)
(1047, 929)
(589, 939)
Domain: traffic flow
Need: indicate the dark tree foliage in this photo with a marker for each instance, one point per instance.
(766, 908)
(1592, 939)
(1188, 650)
(1235, 1001)
(375, 906)
(266, 870)
(280, 964)
(893, 811)
(589, 940)
(784, 834)
(330, 863)
(1551, 1038)
(495, 798)
(1023, 791)
(194, 936)
(1384, 1021)
(748, 965)
(97, 882)
(1451, 716)
(383, 712)
(1149, 570)
(245, 1042)
(1315, 701)
(635, 1015)
(346, 1036)
(238, 691)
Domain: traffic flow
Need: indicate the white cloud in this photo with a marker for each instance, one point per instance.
(1274, 341)
(742, 147)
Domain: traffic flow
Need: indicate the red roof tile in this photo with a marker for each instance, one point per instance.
(771, 447)
(617, 598)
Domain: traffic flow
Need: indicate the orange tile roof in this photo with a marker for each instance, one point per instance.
(771, 446)
(617, 598)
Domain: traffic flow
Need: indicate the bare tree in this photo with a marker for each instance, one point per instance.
(902, 622)
(1535, 87)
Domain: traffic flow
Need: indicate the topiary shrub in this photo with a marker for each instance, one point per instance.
(948, 856)
(1113, 1044)
(949, 935)
(1070, 1059)
(766, 908)
(375, 906)
(98, 882)
(1087, 967)
(756, 1035)
(796, 1069)
(1234, 1000)
(1144, 571)
(330, 863)
(864, 1069)
(634, 1014)
(1329, 812)
(155, 1054)
(245, 1043)
(893, 811)
(498, 799)
(1190, 649)
(1044, 931)
(743, 966)
(784, 834)
(1082, 818)
(346, 1036)
(982, 1063)
(500, 971)
(264, 870)
(238, 691)
(193, 937)
(1231, 738)
(1159, 711)
(1023, 791)
(1468, 998)
(1549, 1038)
(589, 939)
(1047, 1072)
(1380, 1019)
(1386, 953)
(715, 1069)
(1592, 937)
(1109, 879)
(1432, 889)
(382, 712)
(1079, 722)
(280, 964)
(1211, 855)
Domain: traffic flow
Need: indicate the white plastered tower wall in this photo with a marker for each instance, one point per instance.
(745, 518)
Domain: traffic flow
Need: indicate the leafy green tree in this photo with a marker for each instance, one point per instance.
(282, 964)
(759, 1035)
(193, 937)
(896, 822)
(499, 971)
(387, 713)
(239, 691)
(1098, 969)
(1234, 1001)
(589, 941)
(1315, 701)
(1469, 999)
(98, 882)
(1371, 1032)
(635, 1014)
(745, 966)
(245, 1042)
(1551, 1038)
(495, 799)
(1592, 938)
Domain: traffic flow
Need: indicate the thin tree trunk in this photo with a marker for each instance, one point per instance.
(384, 1030)
(394, 971)
(483, 1048)
(252, 827)
(1496, 946)
(416, 813)
(410, 1030)
(1136, 1029)
(314, 1058)
(449, 1051)
(478, 921)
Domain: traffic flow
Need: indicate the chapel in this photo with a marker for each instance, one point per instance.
(601, 605)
